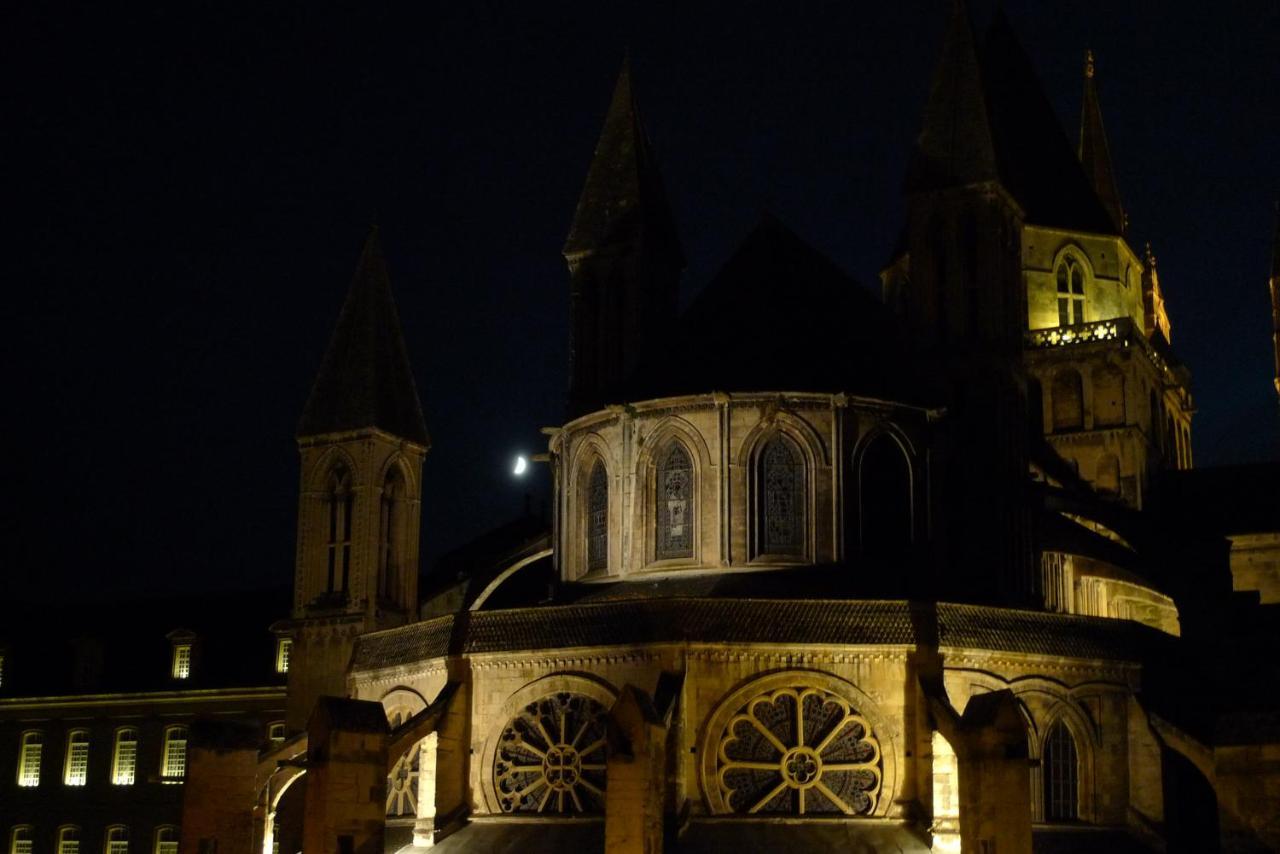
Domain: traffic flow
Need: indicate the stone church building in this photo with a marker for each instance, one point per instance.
(928, 572)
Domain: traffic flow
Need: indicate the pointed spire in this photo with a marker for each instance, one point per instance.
(956, 145)
(1094, 153)
(365, 379)
(623, 198)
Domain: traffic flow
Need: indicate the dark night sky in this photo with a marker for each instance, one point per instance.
(188, 186)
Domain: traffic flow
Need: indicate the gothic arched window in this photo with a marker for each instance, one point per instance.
(390, 535)
(1061, 775)
(1068, 401)
(598, 517)
(1070, 277)
(884, 492)
(780, 485)
(673, 490)
(338, 543)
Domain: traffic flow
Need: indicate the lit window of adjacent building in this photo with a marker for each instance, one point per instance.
(20, 840)
(166, 840)
(181, 660)
(29, 759)
(1070, 276)
(68, 840)
(117, 840)
(76, 770)
(284, 648)
(124, 759)
(173, 763)
(275, 732)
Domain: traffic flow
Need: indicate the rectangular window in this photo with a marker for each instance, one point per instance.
(76, 772)
(174, 762)
(29, 759)
(125, 761)
(275, 733)
(181, 660)
(284, 648)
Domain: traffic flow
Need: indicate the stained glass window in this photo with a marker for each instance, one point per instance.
(598, 517)
(674, 492)
(1060, 775)
(781, 484)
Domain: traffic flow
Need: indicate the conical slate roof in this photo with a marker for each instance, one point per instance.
(987, 119)
(623, 200)
(1095, 153)
(365, 379)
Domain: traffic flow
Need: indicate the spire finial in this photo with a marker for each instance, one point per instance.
(1088, 64)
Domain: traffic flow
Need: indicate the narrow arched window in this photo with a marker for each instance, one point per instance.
(1060, 763)
(673, 490)
(117, 841)
(598, 517)
(75, 771)
(1068, 401)
(390, 535)
(1070, 278)
(20, 841)
(1108, 397)
(173, 761)
(166, 839)
(338, 542)
(29, 759)
(68, 839)
(780, 485)
(124, 758)
(884, 493)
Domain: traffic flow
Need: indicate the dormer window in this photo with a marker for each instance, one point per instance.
(276, 733)
(1070, 275)
(284, 648)
(181, 660)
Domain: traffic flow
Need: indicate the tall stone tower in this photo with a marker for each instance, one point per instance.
(959, 289)
(624, 259)
(362, 438)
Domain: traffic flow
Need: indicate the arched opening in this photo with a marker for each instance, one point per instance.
(1108, 397)
(283, 835)
(673, 495)
(884, 497)
(391, 537)
(1068, 401)
(1060, 764)
(597, 517)
(338, 504)
(780, 486)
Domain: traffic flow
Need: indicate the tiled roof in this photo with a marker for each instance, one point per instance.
(733, 621)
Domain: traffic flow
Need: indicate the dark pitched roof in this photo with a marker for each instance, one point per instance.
(1095, 153)
(987, 119)
(365, 379)
(780, 316)
(623, 199)
(955, 146)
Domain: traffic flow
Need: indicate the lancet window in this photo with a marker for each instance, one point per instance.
(1061, 775)
(338, 544)
(390, 535)
(673, 489)
(1070, 278)
(780, 485)
(598, 517)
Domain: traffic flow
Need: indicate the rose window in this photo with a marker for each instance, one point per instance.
(798, 751)
(551, 757)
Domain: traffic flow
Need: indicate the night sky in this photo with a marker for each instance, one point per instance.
(188, 187)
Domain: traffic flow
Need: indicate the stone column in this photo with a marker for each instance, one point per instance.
(637, 773)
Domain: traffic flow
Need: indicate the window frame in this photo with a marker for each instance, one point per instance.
(165, 846)
(29, 778)
(29, 839)
(76, 762)
(596, 485)
(1070, 777)
(180, 667)
(761, 550)
(117, 756)
(166, 755)
(66, 845)
(115, 839)
(659, 469)
(1071, 279)
(284, 653)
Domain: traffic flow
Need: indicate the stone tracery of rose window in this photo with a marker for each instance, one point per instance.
(402, 785)
(800, 751)
(551, 757)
